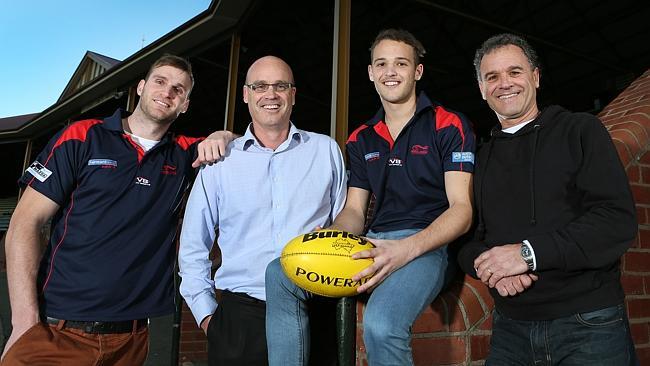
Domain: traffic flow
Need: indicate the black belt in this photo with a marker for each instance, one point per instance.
(125, 326)
(242, 297)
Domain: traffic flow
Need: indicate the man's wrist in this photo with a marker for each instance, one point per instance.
(528, 254)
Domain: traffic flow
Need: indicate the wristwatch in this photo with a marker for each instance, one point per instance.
(527, 255)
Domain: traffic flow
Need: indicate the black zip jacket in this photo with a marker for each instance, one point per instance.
(557, 182)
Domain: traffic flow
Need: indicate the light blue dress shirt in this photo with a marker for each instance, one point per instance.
(259, 199)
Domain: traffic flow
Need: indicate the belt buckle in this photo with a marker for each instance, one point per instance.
(92, 327)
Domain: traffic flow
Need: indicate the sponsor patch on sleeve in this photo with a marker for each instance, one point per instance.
(39, 171)
(462, 157)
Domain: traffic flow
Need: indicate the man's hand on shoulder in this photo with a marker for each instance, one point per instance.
(213, 148)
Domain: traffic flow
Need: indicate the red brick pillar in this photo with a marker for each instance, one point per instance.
(193, 346)
(628, 120)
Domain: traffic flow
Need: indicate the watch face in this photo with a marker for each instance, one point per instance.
(527, 256)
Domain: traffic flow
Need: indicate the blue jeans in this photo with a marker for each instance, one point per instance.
(391, 309)
(596, 338)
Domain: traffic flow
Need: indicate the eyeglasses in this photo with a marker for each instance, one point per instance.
(263, 87)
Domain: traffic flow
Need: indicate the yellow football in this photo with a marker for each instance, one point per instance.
(320, 262)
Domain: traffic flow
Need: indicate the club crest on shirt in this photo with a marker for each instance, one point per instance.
(168, 170)
(39, 171)
(462, 157)
(419, 150)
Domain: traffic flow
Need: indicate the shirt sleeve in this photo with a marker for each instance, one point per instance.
(55, 171)
(197, 237)
(339, 188)
(608, 224)
(190, 145)
(357, 164)
(456, 141)
(468, 252)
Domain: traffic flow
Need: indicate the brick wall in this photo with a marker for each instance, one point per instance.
(456, 328)
(193, 347)
(628, 120)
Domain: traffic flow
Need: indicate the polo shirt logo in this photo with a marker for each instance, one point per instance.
(168, 170)
(419, 150)
(462, 157)
(372, 156)
(39, 171)
(104, 163)
(142, 181)
(394, 162)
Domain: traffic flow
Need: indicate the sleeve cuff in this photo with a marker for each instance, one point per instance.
(202, 307)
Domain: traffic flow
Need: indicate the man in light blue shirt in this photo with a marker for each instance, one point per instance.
(275, 183)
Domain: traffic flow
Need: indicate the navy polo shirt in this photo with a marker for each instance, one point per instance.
(111, 254)
(406, 175)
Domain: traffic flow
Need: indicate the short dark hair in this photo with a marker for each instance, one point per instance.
(400, 35)
(173, 61)
(502, 40)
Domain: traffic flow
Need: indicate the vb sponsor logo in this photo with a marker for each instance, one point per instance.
(395, 162)
(142, 181)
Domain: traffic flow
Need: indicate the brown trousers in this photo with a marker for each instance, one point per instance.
(55, 345)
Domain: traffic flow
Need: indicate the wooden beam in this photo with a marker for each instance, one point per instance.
(233, 70)
(341, 72)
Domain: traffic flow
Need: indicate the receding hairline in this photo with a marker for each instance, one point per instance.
(269, 60)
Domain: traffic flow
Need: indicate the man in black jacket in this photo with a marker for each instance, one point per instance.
(555, 215)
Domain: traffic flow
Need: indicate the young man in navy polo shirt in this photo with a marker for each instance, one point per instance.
(417, 158)
(113, 189)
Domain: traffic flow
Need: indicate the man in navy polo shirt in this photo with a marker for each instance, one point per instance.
(416, 157)
(113, 189)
